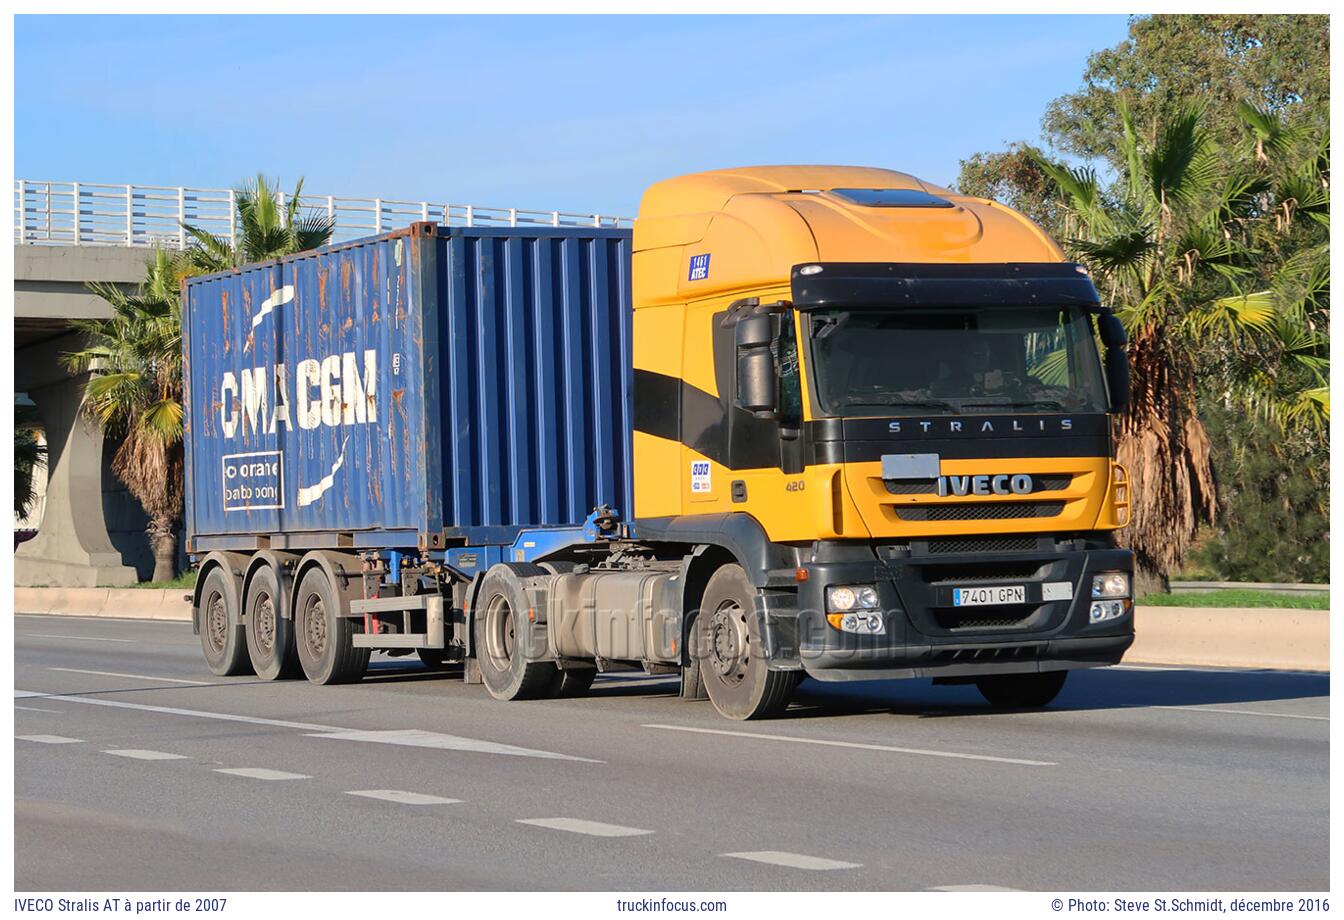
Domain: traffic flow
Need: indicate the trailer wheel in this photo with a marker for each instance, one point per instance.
(1022, 691)
(740, 684)
(221, 638)
(270, 636)
(500, 622)
(322, 635)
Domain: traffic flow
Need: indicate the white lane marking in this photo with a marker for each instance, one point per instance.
(170, 680)
(262, 773)
(855, 744)
(411, 737)
(972, 888)
(579, 826)
(636, 682)
(1243, 712)
(80, 638)
(173, 711)
(36, 709)
(49, 739)
(794, 860)
(139, 754)
(414, 737)
(402, 797)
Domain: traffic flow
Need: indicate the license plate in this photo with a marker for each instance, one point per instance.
(994, 594)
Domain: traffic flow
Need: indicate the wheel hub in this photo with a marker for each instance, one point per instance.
(315, 627)
(728, 645)
(499, 636)
(217, 622)
(263, 623)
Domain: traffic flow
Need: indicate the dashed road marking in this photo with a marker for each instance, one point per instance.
(174, 711)
(1244, 712)
(855, 744)
(36, 709)
(972, 888)
(138, 754)
(80, 638)
(579, 826)
(262, 773)
(794, 860)
(50, 739)
(169, 680)
(403, 798)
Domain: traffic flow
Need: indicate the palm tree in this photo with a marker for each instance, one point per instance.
(30, 455)
(268, 230)
(1178, 245)
(135, 394)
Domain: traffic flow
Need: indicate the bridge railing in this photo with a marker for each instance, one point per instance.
(96, 214)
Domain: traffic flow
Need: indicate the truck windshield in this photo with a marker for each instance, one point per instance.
(976, 360)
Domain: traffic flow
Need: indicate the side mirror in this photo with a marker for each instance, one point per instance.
(756, 377)
(1117, 359)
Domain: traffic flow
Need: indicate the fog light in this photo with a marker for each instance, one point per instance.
(1107, 610)
(862, 624)
(1110, 584)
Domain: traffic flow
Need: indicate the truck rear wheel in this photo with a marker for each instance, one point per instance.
(1022, 691)
(221, 635)
(501, 627)
(322, 635)
(740, 684)
(270, 635)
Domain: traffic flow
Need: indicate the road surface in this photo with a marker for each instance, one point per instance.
(136, 769)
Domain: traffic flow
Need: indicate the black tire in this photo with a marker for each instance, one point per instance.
(505, 670)
(321, 635)
(436, 659)
(727, 645)
(1022, 691)
(270, 635)
(222, 637)
(571, 683)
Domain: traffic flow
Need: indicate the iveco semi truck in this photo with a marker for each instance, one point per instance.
(803, 421)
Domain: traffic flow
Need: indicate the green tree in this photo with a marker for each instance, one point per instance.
(1281, 62)
(1176, 246)
(266, 230)
(135, 394)
(29, 457)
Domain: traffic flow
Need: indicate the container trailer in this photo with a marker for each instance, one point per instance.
(831, 422)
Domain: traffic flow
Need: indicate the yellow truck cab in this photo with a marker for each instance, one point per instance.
(884, 402)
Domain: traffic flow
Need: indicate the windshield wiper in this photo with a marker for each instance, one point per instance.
(1034, 403)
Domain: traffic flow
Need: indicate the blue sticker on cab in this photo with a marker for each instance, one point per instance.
(699, 268)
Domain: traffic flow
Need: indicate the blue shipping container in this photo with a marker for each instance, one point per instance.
(426, 388)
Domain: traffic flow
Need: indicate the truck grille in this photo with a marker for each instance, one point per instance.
(973, 545)
(955, 618)
(979, 511)
(1051, 483)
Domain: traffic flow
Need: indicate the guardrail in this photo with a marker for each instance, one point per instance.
(94, 214)
(1203, 587)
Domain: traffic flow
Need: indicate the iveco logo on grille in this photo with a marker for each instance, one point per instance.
(1001, 484)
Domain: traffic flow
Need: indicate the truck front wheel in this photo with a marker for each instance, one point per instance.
(323, 636)
(1022, 691)
(735, 673)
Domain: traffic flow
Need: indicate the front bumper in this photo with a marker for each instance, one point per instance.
(926, 636)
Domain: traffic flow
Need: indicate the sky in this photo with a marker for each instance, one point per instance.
(573, 113)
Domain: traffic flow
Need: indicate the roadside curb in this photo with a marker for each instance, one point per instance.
(125, 603)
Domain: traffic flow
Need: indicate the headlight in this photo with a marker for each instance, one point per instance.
(842, 598)
(1110, 584)
(1107, 610)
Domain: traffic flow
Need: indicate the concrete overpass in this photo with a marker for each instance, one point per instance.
(92, 531)
(67, 234)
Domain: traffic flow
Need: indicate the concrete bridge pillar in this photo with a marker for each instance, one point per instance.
(72, 547)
